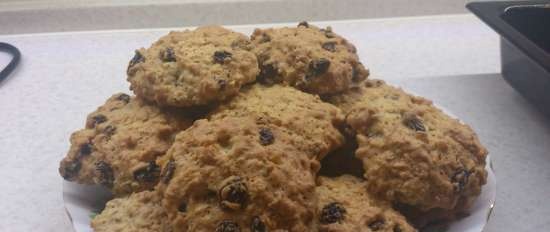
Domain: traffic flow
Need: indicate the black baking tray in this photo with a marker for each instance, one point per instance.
(524, 28)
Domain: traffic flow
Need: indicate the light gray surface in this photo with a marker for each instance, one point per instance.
(33, 16)
(65, 76)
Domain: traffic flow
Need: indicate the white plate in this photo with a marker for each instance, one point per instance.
(82, 202)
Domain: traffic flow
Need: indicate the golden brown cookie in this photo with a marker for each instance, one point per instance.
(345, 206)
(120, 144)
(235, 174)
(138, 212)
(313, 122)
(311, 59)
(190, 68)
(413, 153)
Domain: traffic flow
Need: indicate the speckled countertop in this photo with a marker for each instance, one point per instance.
(64, 76)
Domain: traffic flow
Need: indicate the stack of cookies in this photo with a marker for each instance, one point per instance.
(279, 131)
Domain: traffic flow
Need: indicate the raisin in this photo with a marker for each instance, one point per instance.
(318, 67)
(265, 38)
(109, 131)
(182, 207)
(377, 225)
(332, 213)
(123, 97)
(460, 179)
(106, 175)
(149, 173)
(303, 24)
(268, 74)
(397, 228)
(221, 56)
(266, 136)
(85, 149)
(257, 225)
(413, 122)
(228, 226)
(71, 170)
(329, 46)
(138, 58)
(222, 84)
(233, 194)
(168, 171)
(168, 55)
(98, 119)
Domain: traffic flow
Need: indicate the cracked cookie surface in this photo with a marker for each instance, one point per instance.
(240, 174)
(306, 116)
(314, 60)
(413, 153)
(345, 206)
(120, 144)
(190, 68)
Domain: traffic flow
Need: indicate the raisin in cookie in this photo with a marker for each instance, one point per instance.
(314, 60)
(193, 68)
(345, 206)
(138, 212)
(120, 144)
(412, 152)
(235, 174)
(306, 116)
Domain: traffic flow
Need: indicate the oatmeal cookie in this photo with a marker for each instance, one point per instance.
(190, 68)
(311, 59)
(305, 115)
(344, 205)
(413, 153)
(138, 212)
(235, 174)
(120, 144)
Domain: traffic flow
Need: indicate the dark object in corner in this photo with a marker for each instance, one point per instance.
(524, 27)
(16, 56)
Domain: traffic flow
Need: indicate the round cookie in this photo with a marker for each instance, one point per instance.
(191, 68)
(120, 144)
(413, 153)
(138, 212)
(314, 122)
(345, 206)
(311, 59)
(235, 174)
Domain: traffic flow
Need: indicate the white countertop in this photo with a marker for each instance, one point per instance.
(64, 76)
